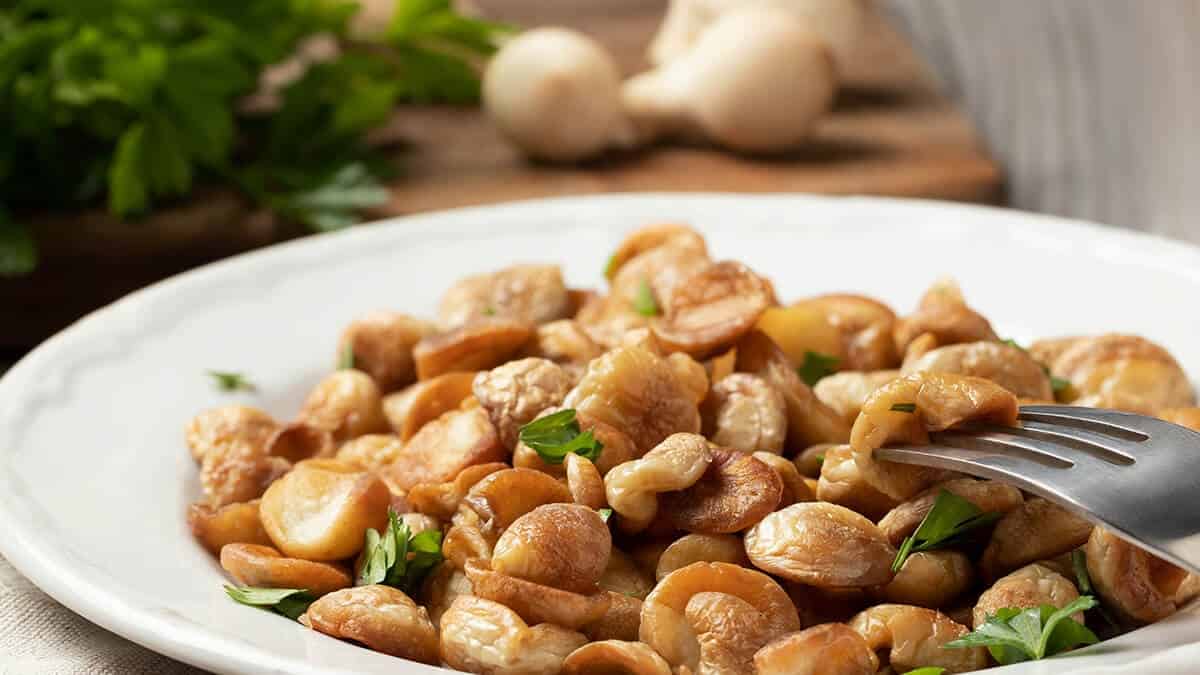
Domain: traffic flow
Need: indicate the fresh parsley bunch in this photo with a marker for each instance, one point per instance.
(133, 103)
(386, 556)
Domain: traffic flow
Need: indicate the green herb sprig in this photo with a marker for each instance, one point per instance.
(950, 518)
(398, 558)
(927, 670)
(816, 366)
(230, 381)
(644, 302)
(346, 357)
(1013, 635)
(555, 436)
(290, 602)
(605, 514)
(904, 407)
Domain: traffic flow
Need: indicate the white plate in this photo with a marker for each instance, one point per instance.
(95, 478)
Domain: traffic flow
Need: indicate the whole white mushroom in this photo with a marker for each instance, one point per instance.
(756, 80)
(839, 22)
(556, 94)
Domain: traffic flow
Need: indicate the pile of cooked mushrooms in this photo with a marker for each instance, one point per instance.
(676, 476)
(746, 75)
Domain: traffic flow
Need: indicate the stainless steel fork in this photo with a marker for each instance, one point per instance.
(1135, 475)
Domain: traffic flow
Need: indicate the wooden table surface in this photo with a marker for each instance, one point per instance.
(892, 133)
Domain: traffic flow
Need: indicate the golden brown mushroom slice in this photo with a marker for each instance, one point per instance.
(502, 497)
(380, 617)
(943, 314)
(480, 345)
(988, 496)
(615, 657)
(346, 403)
(482, 636)
(930, 579)
(530, 294)
(845, 392)
(1008, 366)
(381, 344)
(652, 236)
(1030, 586)
(710, 309)
(537, 603)
(809, 420)
(411, 408)
(638, 393)
(865, 326)
(514, 393)
(913, 637)
(566, 546)
(564, 341)
(821, 544)
(841, 482)
(1139, 586)
(446, 446)
(744, 412)
(735, 492)
(1035, 530)
(229, 524)
(828, 648)
(906, 409)
(1126, 372)
(259, 565)
(657, 272)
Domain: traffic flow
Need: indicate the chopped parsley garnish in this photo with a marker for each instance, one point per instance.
(927, 670)
(397, 557)
(610, 267)
(555, 436)
(644, 302)
(948, 520)
(904, 407)
(230, 382)
(605, 514)
(816, 366)
(1013, 635)
(346, 357)
(290, 602)
(1059, 385)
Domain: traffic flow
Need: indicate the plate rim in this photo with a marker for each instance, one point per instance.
(196, 645)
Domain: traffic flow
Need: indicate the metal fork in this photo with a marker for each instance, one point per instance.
(1135, 475)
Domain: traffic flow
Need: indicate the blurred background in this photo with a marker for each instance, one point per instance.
(1074, 107)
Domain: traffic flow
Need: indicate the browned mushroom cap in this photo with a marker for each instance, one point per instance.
(1035, 530)
(638, 393)
(652, 236)
(563, 341)
(827, 649)
(299, 441)
(1188, 417)
(380, 617)
(409, 410)
(615, 657)
(846, 392)
(1008, 366)
(715, 615)
(695, 548)
(825, 605)
(1141, 587)
(621, 620)
(1047, 350)
(525, 293)
(913, 637)
(795, 489)
(821, 544)
(347, 404)
(809, 421)
(382, 344)
(503, 497)
(930, 579)
(662, 268)
(906, 409)
(810, 460)
(534, 602)
(562, 545)
(584, 482)
(841, 482)
(480, 345)
(230, 524)
(988, 496)
(228, 425)
(710, 309)
(675, 464)
(371, 452)
(735, 492)
(625, 576)
(1126, 372)
(745, 413)
(514, 393)
(865, 326)
(255, 565)
(481, 636)
(1031, 586)
(446, 446)
(441, 500)
(944, 314)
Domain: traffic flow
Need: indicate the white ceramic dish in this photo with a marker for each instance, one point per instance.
(94, 476)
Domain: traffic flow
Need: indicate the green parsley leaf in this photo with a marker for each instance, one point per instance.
(1013, 635)
(605, 514)
(335, 203)
(948, 520)
(816, 366)
(821, 459)
(927, 670)
(230, 382)
(290, 602)
(1012, 343)
(489, 311)
(397, 558)
(346, 357)
(1059, 386)
(18, 251)
(1079, 564)
(904, 407)
(644, 302)
(554, 436)
(610, 267)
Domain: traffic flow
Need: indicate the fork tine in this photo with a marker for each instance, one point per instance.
(1125, 426)
(1103, 445)
(1017, 469)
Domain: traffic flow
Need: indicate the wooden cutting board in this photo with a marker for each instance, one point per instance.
(891, 133)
